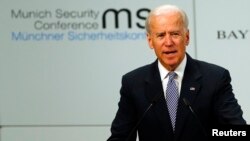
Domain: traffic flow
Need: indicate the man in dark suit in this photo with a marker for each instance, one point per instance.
(203, 86)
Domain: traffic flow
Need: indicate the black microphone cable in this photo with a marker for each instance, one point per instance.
(187, 103)
(155, 99)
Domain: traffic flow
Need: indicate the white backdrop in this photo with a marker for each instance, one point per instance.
(66, 86)
(223, 38)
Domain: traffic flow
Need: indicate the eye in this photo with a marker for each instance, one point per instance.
(160, 35)
(175, 34)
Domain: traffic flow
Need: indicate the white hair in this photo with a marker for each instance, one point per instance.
(163, 10)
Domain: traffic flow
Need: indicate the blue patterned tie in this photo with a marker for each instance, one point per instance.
(172, 97)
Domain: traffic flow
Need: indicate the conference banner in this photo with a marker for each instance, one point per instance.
(62, 61)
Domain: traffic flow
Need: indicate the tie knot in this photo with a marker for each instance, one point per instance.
(172, 75)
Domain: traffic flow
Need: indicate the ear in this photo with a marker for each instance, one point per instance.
(187, 37)
(149, 39)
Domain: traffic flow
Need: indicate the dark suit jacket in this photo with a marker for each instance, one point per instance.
(206, 86)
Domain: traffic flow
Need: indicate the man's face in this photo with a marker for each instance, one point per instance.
(169, 39)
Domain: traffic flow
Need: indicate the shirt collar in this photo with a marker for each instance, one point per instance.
(179, 70)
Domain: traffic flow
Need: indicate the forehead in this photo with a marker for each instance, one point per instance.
(169, 20)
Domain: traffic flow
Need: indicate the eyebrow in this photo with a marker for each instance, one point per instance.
(160, 33)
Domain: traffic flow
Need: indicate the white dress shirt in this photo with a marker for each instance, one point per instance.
(179, 71)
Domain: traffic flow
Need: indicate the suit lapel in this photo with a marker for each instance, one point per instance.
(189, 91)
(153, 87)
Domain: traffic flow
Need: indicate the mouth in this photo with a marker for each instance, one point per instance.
(170, 52)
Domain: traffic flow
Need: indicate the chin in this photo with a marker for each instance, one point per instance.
(171, 62)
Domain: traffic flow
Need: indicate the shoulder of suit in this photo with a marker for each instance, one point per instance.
(210, 67)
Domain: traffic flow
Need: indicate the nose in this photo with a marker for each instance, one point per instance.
(168, 40)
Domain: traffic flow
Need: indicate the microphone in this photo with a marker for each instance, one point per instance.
(187, 103)
(155, 99)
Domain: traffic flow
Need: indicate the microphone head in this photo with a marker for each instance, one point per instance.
(186, 102)
(156, 98)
